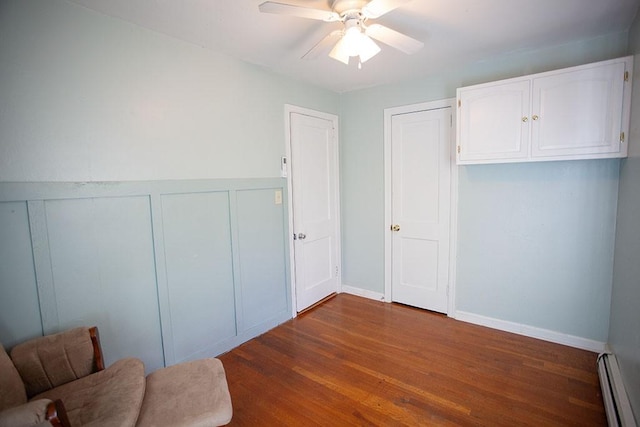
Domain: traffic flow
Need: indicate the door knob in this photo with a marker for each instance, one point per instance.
(302, 236)
(395, 227)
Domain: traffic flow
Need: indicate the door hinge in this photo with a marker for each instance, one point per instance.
(459, 103)
(621, 137)
(458, 149)
(626, 76)
(336, 270)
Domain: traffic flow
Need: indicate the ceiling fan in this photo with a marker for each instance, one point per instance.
(355, 39)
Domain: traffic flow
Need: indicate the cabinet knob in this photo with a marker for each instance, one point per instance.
(525, 119)
(535, 117)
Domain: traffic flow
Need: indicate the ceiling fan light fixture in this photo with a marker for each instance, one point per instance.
(368, 48)
(354, 42)
(340, 52)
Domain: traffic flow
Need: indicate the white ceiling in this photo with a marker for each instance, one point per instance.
(455, 32)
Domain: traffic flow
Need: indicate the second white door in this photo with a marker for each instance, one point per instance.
(420, 185)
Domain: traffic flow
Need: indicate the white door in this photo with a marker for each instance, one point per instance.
(420, 185)
(314, 182)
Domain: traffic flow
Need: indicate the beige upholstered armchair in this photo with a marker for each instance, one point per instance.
(60, 380)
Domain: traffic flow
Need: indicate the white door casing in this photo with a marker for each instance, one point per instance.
(421, 199)
(314, 219)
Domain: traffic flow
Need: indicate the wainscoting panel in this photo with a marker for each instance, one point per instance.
(197, 239)
(101, 252)
(261, 244)
(19, 297)
(168, 270)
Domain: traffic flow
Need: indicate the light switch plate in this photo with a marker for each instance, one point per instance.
(278, 197)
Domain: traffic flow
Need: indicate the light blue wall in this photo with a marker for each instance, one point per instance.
(535, 244)
(574, 303)
(87, 97)
(624, 330)
(90, 98)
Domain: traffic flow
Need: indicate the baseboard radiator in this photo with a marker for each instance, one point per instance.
(616, 401)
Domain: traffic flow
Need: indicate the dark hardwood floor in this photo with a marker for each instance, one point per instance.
(354, 361)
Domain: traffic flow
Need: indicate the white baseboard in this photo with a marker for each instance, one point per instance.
(378, 296)
(532, 331)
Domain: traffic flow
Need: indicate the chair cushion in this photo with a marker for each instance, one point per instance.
(12, 391)
(32, 413)
(53, 360)
(188, 394)
(112, 397)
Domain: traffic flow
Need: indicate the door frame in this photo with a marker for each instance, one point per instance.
(288, 109)
(453, 222)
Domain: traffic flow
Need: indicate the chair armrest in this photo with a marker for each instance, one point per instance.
(57, 414)
(34, 413)
(97, 348)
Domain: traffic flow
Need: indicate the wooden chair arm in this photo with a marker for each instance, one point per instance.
(97, 349)
(57, 414)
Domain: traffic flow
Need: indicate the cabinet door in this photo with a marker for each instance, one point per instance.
(578, 113)
(493, 122)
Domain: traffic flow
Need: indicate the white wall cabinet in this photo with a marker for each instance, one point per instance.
(574, 113)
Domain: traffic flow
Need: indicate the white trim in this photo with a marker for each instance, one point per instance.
(453, 224)
(362, 292)
(288, 109)
(532, 331)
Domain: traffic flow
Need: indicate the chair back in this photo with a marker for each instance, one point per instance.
(12, 391)
(50, 361)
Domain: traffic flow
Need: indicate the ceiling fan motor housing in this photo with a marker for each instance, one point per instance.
(344, 6)
(353, 21)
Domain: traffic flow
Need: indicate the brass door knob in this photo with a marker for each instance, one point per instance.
(395, 227)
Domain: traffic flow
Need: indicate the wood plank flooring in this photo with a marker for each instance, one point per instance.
(354, 361)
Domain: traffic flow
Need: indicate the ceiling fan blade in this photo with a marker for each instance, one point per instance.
(393, 38)
(323, 45)
(376, 8)
(299, 11)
